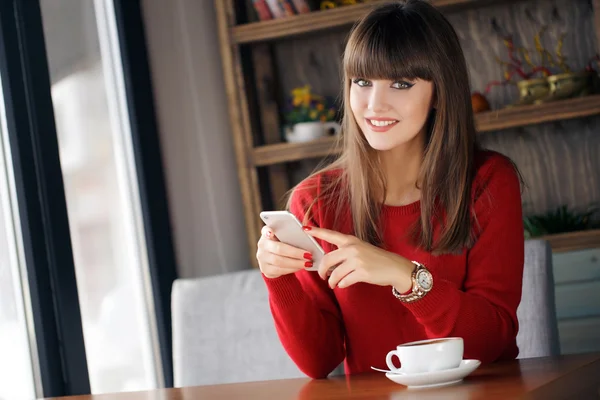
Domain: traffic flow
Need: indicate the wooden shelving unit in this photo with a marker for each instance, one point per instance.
(253, 113)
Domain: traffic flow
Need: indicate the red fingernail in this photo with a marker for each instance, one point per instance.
(308, 264)
(308, 256)
(306, 228)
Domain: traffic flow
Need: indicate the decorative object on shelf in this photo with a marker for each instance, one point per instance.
(569, 84)
(561, 84)
(479, 102)
(308, 131)
(309, 116)
(532, 91)
(560, 220)
(565, 83)
(325, 5)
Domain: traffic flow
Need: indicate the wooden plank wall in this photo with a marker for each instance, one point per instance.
(559, 161)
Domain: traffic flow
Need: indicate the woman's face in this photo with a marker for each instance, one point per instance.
(391, 113)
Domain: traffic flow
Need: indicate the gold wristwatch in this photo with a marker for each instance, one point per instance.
(422, 282)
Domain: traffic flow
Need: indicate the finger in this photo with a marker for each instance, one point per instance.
(333, 237)
(274, 271)
(350, 279)
(330, 261)
(262, 241)
(284, 262)
(286, 250)
(340, 273)
(268, 233)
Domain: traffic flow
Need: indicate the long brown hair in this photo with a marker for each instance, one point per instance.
(408, 40)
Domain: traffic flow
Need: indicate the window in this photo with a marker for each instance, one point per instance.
(16, 367)
(102, 197)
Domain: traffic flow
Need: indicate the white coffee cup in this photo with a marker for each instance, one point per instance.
(427, 355)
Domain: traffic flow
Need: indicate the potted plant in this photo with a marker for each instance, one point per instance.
(309, 116)
(560, 220)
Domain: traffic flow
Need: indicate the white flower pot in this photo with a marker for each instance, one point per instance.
(307, 131)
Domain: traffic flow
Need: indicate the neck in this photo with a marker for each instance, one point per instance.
(401, 167)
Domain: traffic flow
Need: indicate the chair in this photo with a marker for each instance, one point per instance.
(223, 332)
(538, 328)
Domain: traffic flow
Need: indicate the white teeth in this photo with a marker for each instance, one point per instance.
(381, 123)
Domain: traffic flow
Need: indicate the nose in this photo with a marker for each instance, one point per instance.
(378, 100)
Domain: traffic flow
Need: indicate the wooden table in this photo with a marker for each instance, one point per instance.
(566, 377)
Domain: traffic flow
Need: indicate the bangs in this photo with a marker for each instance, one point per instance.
(391, 47)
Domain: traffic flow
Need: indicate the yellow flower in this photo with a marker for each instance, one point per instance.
(306, 99)
(312, 115)
(320, 107)
(297, 101)
(301, 91)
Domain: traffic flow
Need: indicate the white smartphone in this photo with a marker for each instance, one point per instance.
(288, 229)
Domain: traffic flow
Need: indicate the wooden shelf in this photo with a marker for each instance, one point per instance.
(571, 241)
(327, 19)
(486, 121)
(536, 114)
(284, 152)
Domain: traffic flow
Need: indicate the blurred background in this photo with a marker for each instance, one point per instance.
(119, 171)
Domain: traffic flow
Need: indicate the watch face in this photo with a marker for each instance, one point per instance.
(425, 280)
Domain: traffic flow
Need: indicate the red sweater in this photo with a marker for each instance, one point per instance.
(475, 294)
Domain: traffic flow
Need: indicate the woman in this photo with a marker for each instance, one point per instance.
(412, 195)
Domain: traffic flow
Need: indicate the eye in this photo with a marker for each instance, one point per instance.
(361, 82)
(402, 85)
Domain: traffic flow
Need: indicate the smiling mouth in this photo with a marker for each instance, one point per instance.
(381, 124)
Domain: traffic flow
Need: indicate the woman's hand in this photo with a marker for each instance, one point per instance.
(357, 261)
(276, 259)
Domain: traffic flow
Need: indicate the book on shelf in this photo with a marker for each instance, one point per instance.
(262, 10)
(301, 6)
(276, 9)
(288, 8)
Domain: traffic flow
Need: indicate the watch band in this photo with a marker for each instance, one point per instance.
(417, 291)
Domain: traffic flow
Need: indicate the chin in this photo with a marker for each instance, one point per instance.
(381, 145)
(381, 142)
(384, 141)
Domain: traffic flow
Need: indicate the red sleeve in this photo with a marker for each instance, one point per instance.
(305, 310)
(485, 313)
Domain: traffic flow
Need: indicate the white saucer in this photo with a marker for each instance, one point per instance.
(436, 378)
